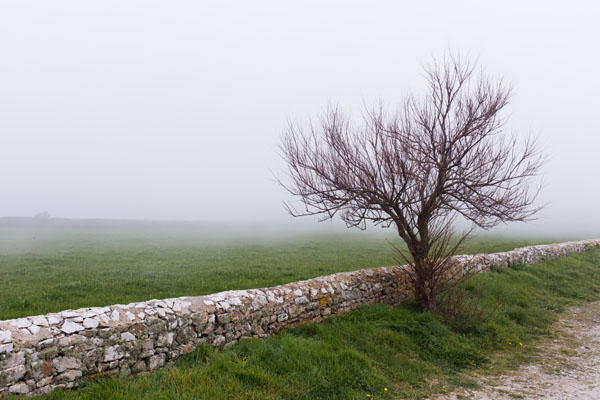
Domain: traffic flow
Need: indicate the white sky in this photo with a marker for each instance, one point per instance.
(173, 109)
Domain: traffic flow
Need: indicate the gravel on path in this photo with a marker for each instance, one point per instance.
(567, 368)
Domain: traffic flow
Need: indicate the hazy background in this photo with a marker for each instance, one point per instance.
(173, 110)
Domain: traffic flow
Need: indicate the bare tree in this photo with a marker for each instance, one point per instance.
(437, 158)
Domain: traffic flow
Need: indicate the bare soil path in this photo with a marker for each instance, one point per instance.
(568, 366)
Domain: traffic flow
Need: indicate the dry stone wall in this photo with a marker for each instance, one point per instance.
(41, 353)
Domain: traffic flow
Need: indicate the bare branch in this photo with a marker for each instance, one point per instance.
(436, 158)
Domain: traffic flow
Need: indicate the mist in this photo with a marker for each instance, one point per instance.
(173, 111)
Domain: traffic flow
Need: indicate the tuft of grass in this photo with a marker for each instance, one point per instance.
(411, 354)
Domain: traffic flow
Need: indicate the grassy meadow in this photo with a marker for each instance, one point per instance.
(49, 269)
(376, 352)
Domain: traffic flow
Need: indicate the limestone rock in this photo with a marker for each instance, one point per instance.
(16, 373)
(127, 337)
(155, 362)
(91, 323)
(65, 363)
(69, 376)
(19, 388)
(5, 348)
(71, 327)
(21, 323)
(40, 321)
(5, 337)
(113, 353)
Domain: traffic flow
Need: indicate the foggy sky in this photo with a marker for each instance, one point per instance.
(174, 109)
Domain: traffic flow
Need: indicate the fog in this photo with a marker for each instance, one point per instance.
(173, 110)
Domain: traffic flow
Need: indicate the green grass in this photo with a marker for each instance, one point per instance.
(49, 270)
(412, 354)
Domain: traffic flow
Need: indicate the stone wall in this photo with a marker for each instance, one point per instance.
(38, 354)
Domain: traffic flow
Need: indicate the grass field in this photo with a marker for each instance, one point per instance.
(376, 352)
(46, 270)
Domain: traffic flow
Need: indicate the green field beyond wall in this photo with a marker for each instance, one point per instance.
(46, 270)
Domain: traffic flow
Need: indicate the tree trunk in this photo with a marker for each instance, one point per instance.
(423, 289)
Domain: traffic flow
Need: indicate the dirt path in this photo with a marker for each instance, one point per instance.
(567, 368)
